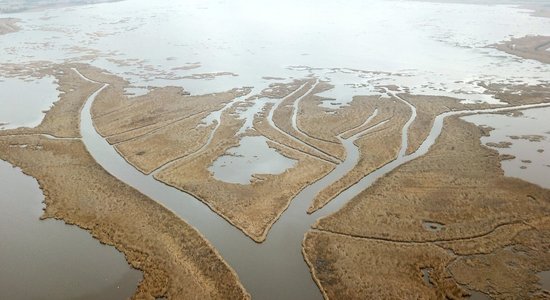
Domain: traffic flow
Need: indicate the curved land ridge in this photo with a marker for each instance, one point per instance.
(435, 120)
(177, 262)
(400, 120)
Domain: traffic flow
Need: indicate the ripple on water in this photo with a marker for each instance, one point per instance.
(46, 259)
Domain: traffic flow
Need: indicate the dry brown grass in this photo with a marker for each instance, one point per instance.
(63, 119)
(177, 262)
(262, 126)
(316, 122)
(175, 259)
(283, 119)
(352, 268)
(163, 127)
(155, 149)
(153, 110)
(154, 129)
(520, 94)
(376, 148)
(529, 47)
(252, 208)
(427, 108)
(497, 227)
(281, 90)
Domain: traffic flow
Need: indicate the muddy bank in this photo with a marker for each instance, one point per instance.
(485, 219)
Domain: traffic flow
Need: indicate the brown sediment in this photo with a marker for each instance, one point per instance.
(376, 148)
(253, 208)
(442, 177)
(282, 117)
(460, 184)
(8, 25)
(177, 262)
(529, 47)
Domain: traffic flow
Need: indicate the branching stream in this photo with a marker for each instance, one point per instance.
(274, 269)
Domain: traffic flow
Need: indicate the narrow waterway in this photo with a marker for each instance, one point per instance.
(274, 269)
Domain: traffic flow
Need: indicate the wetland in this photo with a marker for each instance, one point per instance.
(303, 157)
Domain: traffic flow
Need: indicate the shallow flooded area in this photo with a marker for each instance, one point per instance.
(525, 138)
(252, 156)
(46, 259)
(24, 100)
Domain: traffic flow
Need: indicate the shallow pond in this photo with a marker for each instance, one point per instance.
(252, 156)
(24, 100)
(526, 137)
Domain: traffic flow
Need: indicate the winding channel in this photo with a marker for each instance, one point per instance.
(274, 269)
